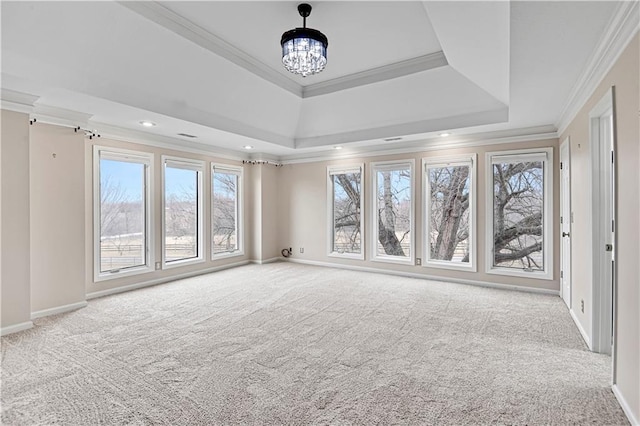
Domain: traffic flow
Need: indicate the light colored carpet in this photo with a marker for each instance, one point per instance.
(292, 344)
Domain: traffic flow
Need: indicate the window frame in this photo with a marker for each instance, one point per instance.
(440, 162)
(374, 167)
(333, 170)
(197, 166)
(547, 215)
(238, 171)
(131, 156)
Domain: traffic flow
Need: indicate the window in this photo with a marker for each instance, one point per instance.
(520, 213)
(122, 220)
(392, 219)
(227, 211)
(345, 214)
(182, 210)
(449, 185)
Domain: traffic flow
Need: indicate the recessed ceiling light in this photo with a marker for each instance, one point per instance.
(146, 123)
(445, 134)
(247, 147)
(337, 147)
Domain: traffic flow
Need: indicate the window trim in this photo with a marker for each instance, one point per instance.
(126, 155)
(374, 167)
(443, 161)
(333, 170)
(188, 164)
(238, 171)
(548, 229)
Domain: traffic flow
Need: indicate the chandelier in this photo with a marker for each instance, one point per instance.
(304, 50)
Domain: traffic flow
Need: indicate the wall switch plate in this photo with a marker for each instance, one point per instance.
(158, 265)
(301, 249)
(582, 306)
(418, 261)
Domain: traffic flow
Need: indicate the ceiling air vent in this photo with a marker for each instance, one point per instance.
(392, 139)
(187, 135)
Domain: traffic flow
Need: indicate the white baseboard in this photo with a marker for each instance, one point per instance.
(15, 328)
(102, 293)
(262, 262)
(426, 276)
(583, 333)
(58, 310)
(625, 406)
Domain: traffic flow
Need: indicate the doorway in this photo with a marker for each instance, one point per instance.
(602, 138)
(565, 222)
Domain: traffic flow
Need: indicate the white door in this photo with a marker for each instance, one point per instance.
(565, 222)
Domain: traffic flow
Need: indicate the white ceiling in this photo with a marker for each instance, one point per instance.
(212, 69)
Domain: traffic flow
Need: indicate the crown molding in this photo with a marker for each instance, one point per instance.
(480, 118)
(180, 25)
(622, 27)
(17, 101)
(433, 144)
(157, 141)
(375, 75)
(60, 116)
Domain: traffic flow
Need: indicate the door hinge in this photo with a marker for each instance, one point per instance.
(561, 274)
(561, 165)
(612, 156)
(613, 226)
(560, 219)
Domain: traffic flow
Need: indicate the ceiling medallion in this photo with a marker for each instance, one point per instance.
(304, 50)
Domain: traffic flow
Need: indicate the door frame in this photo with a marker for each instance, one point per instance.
(566, 219)
(602, 153)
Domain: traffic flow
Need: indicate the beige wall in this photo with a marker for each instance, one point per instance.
(16, 306)
(625, 76)
(264, 212)
(303, 200)
(167, 274)
(57, 217)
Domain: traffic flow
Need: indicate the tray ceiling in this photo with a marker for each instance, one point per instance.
(212, 69)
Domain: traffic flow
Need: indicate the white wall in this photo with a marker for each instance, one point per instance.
(625, 76)
(16, 306)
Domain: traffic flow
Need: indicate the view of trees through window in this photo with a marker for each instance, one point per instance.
(346, 212)
(448, 212)
(225, 212)
(122, 215)
(518, 206)
(393, 211)
(181, 213)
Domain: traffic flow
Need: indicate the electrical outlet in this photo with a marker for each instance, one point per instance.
(582, 306)
(301, 249)
(158, 265)
(418, 261)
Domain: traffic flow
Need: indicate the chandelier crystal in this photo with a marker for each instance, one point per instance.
(304, 50)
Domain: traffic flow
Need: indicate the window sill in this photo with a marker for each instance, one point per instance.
(465, 267)
(106, 276)
(352, 256)
(400, 261)
(535, 275)
(182, 262)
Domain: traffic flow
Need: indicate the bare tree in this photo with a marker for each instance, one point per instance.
(449, 219)
(517, 211)
(225, 212)
(518, 204)
(346, 213)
